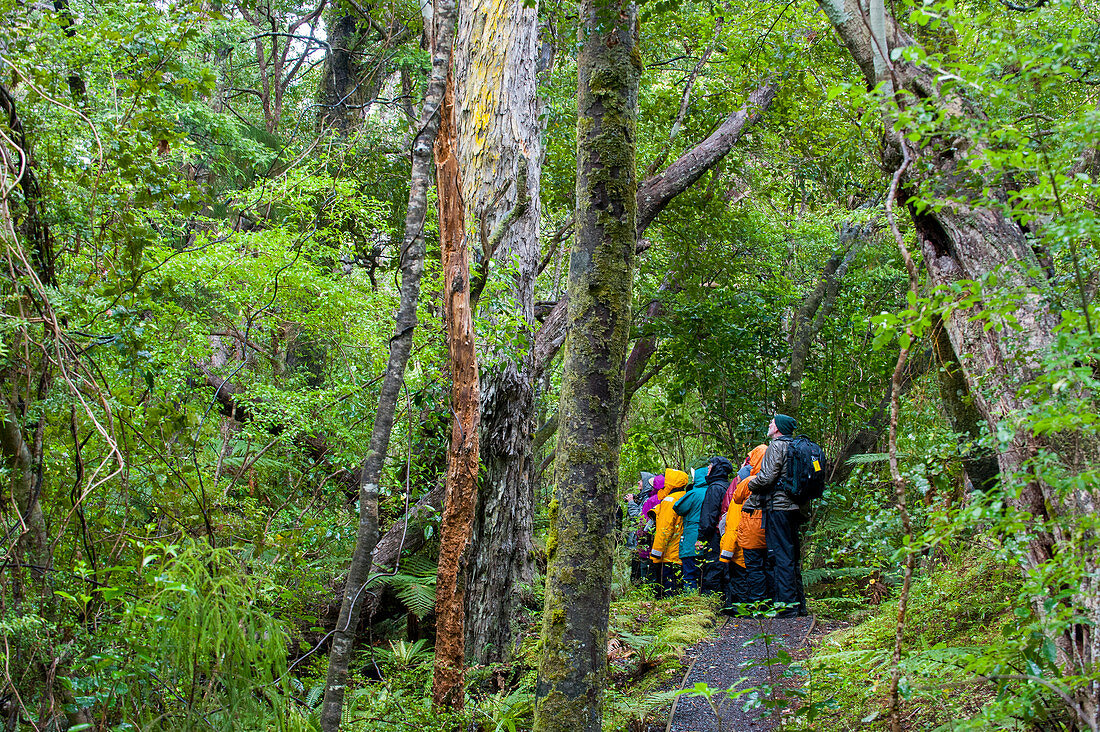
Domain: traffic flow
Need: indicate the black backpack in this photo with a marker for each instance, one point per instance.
(808, 470)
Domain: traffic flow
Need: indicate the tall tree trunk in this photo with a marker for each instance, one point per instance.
(500, 151)
(963, 237)
(349, 84)
(573, 662)
(462, 458)
(501, 562)
(22, 463)
(340, 75)
(412, 265)
(24, 383)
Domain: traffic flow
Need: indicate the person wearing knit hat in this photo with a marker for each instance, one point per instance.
(782, 518)
(785, 425)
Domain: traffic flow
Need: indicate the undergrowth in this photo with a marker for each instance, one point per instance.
(646, 641)
(961, 626)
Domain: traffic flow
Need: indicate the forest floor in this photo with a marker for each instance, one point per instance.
(744, 654)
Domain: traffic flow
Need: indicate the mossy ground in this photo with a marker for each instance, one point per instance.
(645, 650)
(647, 640)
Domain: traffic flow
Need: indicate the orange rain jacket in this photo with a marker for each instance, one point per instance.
(670, 526)
(743, 530)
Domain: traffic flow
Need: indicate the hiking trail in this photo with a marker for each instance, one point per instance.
(720, 662)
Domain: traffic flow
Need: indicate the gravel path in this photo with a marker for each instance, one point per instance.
(721, 661)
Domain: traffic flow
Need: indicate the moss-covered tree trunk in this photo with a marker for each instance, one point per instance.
(462, 458)
(573, 662)
(412, 265)
(353, 73)
(500, 153)
(340, 74)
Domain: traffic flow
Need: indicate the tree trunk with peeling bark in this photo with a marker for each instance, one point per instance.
(573, 661)
(412, 265)
(500, 155)
(22, 460)
(462, 458)
(965, 238)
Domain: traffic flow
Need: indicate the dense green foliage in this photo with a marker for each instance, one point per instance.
(192, 352)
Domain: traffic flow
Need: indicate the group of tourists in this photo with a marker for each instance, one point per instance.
(725, 530)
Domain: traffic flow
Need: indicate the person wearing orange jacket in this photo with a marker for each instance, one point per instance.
(665, 552)
(748, 580)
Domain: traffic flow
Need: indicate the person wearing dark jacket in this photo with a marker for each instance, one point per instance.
(713, 576)
(634, 502)
(782, 517)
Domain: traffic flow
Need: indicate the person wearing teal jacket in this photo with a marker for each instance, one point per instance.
(689, 506)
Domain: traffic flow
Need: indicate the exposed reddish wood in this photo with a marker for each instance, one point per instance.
(500, 152)
(412, 266)
(462, 457)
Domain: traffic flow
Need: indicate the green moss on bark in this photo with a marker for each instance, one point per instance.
(574, 641)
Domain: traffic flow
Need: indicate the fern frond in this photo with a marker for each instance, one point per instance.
(314, 695)
(418, 596)
(824, 574)
(872, 457)
(637, 641)
(414, 584)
